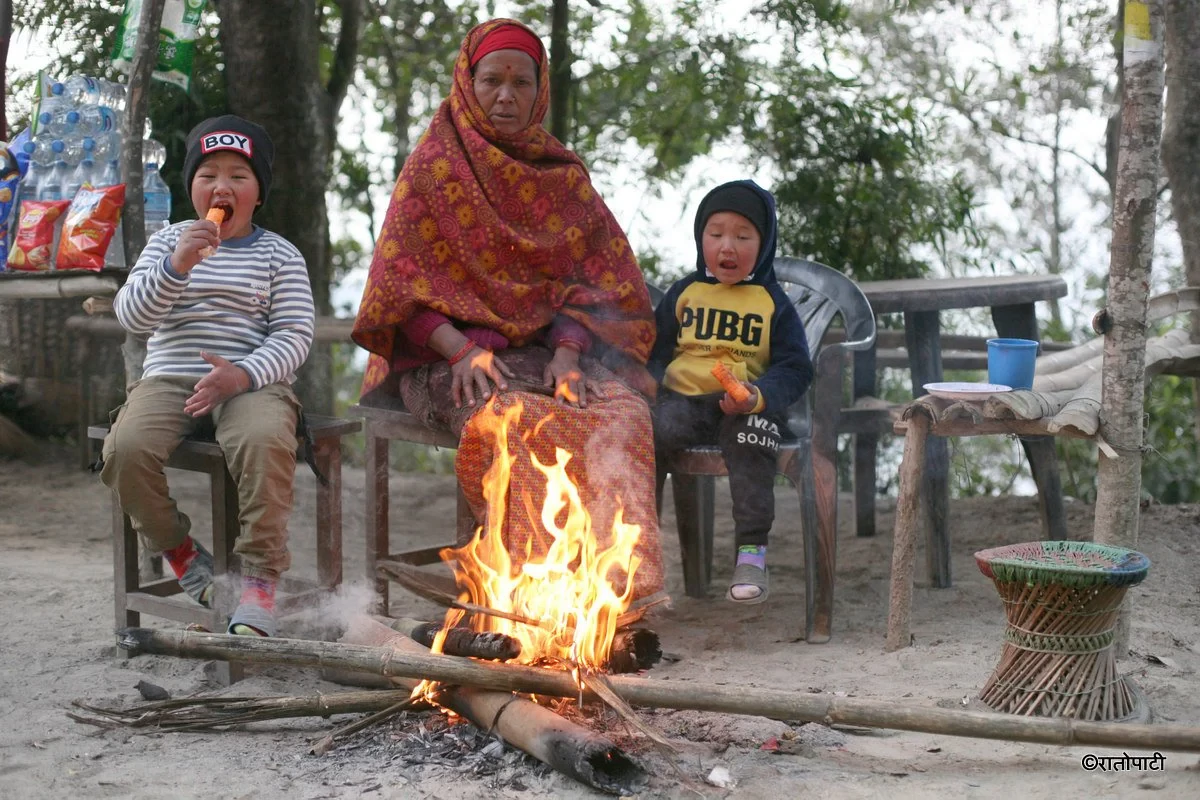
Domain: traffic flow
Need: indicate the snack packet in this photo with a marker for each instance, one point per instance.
(91, 222)
(176, 40)
(33, 249)
(13, 163)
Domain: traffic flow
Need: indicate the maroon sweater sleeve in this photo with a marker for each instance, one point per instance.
(566, 330)
(422, 324)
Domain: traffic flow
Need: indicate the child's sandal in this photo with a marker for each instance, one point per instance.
(749, 575)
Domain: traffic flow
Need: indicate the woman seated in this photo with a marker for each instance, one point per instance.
(500, 277)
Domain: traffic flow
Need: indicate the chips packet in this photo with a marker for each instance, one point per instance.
(33, 248)
(90, 224)
(13, 163)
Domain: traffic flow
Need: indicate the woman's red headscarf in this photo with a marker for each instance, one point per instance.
(502, 231)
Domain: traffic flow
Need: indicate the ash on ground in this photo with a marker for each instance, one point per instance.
(440, 744)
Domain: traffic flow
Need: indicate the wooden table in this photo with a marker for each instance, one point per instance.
(1012, 300)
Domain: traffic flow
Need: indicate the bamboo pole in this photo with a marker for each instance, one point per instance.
(773, 703)
(571, 749)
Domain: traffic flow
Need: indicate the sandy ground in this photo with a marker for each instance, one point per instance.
(57, 622)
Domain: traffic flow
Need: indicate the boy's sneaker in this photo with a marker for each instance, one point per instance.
(255, 614)
(193, 567)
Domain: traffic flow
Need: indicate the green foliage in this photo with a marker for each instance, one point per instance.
(1169, 472)
(669, 82)
(857, 187)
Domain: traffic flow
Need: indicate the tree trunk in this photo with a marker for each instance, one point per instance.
(5, 34)
(1112, 133)
(272, 76)
(560, 69)
(1181, 143)
(1119, 479)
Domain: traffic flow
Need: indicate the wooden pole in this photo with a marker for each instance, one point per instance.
(773, 703)
(908, 520)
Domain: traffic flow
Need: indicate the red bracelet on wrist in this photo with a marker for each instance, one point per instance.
(461, 354)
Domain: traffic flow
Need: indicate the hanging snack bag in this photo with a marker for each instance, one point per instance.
(176, 39)
(91, 222)
(33, 249)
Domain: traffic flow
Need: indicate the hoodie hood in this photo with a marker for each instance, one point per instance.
(732, 196)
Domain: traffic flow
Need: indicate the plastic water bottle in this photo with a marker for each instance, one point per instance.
(112, 95)
(51, 185)
(40, 151)
(108, 147)
(61, 122)
(85, 173)
(93, 120)
(31, 183)
(85, 90)
(157, 197)
(154, 152)
(79, 148)
(111, 175)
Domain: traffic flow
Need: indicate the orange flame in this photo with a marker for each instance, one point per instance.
(566, 582)
(564, 391)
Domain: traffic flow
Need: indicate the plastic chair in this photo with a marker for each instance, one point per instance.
(809, 461)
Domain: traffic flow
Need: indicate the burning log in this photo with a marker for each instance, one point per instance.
(442, 590)
(634, 649)
(461, 641)
(571, 749)
(749, 700)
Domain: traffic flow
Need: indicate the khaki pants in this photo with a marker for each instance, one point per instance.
(257, 432)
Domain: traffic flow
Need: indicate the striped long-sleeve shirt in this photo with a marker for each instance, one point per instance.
(250, 302)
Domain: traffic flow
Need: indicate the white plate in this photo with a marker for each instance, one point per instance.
(955, 390)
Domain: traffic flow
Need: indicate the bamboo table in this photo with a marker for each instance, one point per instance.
(1061, 600)
(1011, 300)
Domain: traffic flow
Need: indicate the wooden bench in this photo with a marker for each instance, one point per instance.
(382, 426)
(89, 329)
(164, 598)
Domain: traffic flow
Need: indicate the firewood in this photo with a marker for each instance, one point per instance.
(799, 706)
(634, 649)
(442, 590)
(570, 748)
(461, 641)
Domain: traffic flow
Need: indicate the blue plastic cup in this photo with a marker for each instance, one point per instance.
(1011, 362)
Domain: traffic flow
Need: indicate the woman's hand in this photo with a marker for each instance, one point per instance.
(474, 374)
(731, 406)
(564, 375)
(226, 380)
(199, 235)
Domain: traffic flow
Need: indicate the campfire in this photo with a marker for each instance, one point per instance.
(564, 600)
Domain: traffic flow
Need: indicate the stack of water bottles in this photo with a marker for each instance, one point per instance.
(77, 143)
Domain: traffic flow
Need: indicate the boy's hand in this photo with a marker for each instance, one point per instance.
(731, 406)
(225, 381)
(198, 236)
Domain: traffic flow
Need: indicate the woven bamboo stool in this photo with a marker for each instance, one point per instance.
(1062, 600)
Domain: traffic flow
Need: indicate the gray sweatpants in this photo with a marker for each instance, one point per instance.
(257, 432)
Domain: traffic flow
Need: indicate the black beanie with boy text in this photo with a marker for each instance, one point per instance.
(236, 135)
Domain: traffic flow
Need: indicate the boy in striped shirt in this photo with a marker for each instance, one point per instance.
(229, 312)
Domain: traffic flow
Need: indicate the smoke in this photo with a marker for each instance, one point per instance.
(330, 618)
